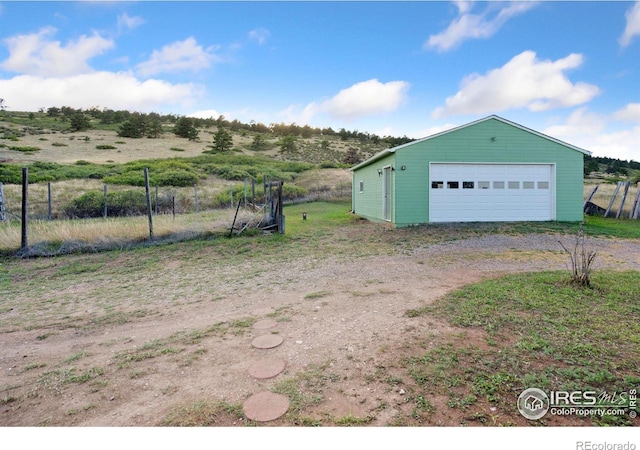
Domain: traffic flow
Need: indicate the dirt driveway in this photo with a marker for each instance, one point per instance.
(342, 322)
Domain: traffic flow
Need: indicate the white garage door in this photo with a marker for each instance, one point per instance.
(490, 192)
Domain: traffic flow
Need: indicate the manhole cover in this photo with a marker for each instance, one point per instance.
(265, 406)
(264, 324)
(267, 341)
(266, 368)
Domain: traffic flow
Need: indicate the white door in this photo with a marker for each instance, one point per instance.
(491, 192)
(386, 193)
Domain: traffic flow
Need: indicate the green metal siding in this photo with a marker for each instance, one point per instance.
(490, 141)
(368, 204)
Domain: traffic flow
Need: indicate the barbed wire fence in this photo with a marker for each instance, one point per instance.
(43, 202)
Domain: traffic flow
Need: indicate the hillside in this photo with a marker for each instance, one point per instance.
(32, 136)
(66, 136)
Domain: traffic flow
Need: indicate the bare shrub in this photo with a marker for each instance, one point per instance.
(581, 259)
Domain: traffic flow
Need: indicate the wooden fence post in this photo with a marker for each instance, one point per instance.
(149, 212)
(245, 192)
(3, 216)
(624, 197)
(195, 194)
(49, 210)
(634, 209)
(613, 199)
(231, 193)
(104, 214)
(25, 207)
(156, 210)
(253, 190)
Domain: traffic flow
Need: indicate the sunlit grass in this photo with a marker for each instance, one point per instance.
(113, 232)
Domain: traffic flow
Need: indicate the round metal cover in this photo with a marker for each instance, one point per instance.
(266, 368)
(267, 341)
(265, 406)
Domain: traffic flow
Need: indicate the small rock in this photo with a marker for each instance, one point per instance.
(401, 392)
(298, 342)
(493, 409)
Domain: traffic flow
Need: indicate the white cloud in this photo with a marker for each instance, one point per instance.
(36, 54)
(523, 82)
(205, 114)
(596, 133)
(112, 90)
(129, 23)
(259, 35)
(633, 25)
(366, 98)
(475, 26)
(581, 122)
(630, 113)
(178, 56)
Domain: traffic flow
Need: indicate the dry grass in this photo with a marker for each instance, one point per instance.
(603, 196)
(77, 147)
(63, 236)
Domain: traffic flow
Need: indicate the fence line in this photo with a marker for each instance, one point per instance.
(3, 216)
(46, 202)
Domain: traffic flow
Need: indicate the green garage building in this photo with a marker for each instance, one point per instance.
(490, 170)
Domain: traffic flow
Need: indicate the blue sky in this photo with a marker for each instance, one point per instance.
(567, 69)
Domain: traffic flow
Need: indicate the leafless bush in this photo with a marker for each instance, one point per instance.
(581, 259)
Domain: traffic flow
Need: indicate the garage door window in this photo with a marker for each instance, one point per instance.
(453, 185)
(467, 185)
(483, 185)
(528, 185)
(543, 185)
(498, 184)
(514, 185)
(437, 185)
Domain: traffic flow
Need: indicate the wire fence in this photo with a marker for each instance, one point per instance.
(49, 202)
(86, 217)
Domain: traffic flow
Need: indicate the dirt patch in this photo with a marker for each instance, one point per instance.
(344, 327)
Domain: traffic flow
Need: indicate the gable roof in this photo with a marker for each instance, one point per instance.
(389, 151)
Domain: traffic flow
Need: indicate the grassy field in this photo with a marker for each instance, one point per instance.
(508, 333)
(528, 330)
(539, 331)
(66, 236)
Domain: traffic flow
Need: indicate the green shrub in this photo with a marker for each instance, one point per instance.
(292, 192)
(105, 147)
(131, 178)
(10, 174)
(25, 149)
(177, 178)
(119, 203)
